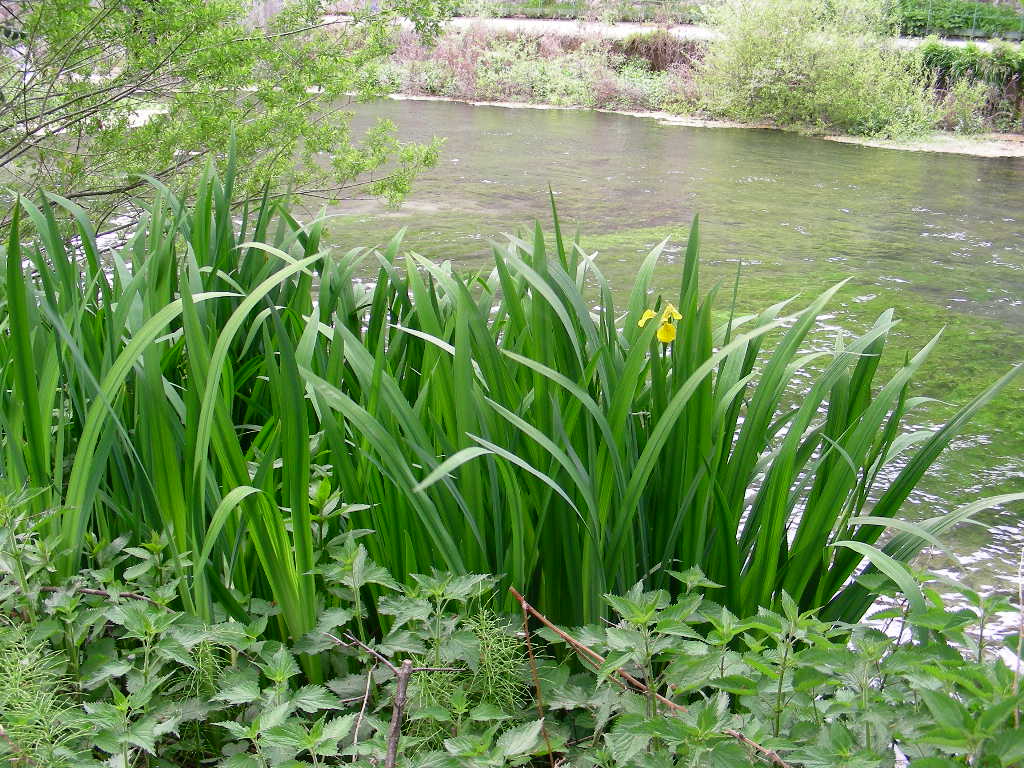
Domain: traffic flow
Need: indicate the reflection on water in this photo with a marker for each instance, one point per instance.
(940, 237)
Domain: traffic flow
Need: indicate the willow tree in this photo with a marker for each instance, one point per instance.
(96, 93)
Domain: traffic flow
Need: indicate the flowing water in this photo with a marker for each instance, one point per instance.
(938, 237)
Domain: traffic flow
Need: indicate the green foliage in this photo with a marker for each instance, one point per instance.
(96, 94)
(815, 66)
(638, 73)
(41, 724)
(661, 11)
(196, 403)
(1001, 66)
(976, 86)
(963, 106)
(136, 683)
(958, 17)
(512, 69)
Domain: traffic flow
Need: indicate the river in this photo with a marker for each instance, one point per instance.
(939, 237)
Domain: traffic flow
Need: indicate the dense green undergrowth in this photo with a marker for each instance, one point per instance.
(228, 450)
(955, 18)
(242, 395)
(101, 671)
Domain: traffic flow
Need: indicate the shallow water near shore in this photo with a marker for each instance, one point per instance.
(940, 237)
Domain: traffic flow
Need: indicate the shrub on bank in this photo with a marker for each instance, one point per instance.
(805, 63)
(550, 70)
(850, 87)
(975, 86)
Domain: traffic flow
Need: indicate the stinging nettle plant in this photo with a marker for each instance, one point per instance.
(235, 393)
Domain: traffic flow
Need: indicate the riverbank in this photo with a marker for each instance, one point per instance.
(655, 72)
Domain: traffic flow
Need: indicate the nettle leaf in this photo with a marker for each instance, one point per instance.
(103, 714)
(947, 712)
(132, 572)
(107, 672)
(432, 712)
(626, 744)
(230, 634)
(738, 685)
(273, 717)
(686, 674)
(402, 641)
(280, 665)
(289, 735)
(1008, 747)
(311, 698)
(237, 730)
(238, 686)
(317, 641)
(521, 740)
(486, 712)
(404, 609)
(728, 755)
(468, 745)
(357, 570)
(694, 578)
(712, 715)
(1014, 642)
(614, 662)
(241, 760)
(350, 686)
(620, 639)
(171, 648)
(468, 586)
(638, 607)
(338, 727)
(683, 610)
(333, 618)
(141, 734)
(462, 646)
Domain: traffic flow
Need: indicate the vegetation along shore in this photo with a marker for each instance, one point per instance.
(706, 74)
(714, 458)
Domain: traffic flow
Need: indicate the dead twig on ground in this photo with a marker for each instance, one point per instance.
(536, 683)
(397, 710)
(402, 673)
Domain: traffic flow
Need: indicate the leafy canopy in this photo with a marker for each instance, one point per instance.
(92, 94)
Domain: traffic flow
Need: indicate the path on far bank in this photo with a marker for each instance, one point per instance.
(623, 29)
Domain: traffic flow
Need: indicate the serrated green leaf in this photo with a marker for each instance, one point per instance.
(312, 698)
(521, 740)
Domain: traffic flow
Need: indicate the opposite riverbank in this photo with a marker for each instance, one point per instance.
(629, 68)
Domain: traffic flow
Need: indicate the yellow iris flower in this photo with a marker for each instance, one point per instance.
(667, 330)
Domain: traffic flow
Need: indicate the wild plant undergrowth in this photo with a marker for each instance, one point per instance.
(227, 392)
(101, 671)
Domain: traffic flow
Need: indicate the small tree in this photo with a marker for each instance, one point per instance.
(94, 93)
